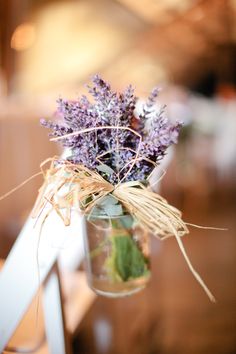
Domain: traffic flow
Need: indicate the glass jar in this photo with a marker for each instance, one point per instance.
(117, 255)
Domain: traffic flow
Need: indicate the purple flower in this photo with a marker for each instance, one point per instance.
(114, 148)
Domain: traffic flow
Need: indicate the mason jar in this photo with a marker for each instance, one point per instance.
(117, 256)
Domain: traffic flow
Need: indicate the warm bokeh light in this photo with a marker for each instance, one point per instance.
(23, 36)
(81, 39)
(160, 11)
(51, 49)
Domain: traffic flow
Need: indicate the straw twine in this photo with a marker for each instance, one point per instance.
(67, 185)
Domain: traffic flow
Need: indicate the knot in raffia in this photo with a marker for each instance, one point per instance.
(68, 186)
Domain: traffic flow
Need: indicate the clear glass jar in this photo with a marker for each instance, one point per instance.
(117, 255)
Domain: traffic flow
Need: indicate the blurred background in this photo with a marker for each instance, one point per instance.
(50, 48)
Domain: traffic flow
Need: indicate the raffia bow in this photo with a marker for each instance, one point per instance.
(67, 185)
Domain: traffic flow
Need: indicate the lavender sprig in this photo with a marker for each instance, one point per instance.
(114, 148)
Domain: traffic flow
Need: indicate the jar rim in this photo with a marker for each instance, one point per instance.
(107, 217)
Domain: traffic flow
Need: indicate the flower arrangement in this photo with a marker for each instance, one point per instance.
(106, 150)
(113, 151)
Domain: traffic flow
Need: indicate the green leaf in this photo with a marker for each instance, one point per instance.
(106, 169)
(108, 200)
(113, 209)
(96, 212)
(127, 221)
(129, 260)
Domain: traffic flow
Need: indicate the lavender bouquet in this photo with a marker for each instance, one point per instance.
(112, 151)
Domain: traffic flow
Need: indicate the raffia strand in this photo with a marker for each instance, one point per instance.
(67, 185)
